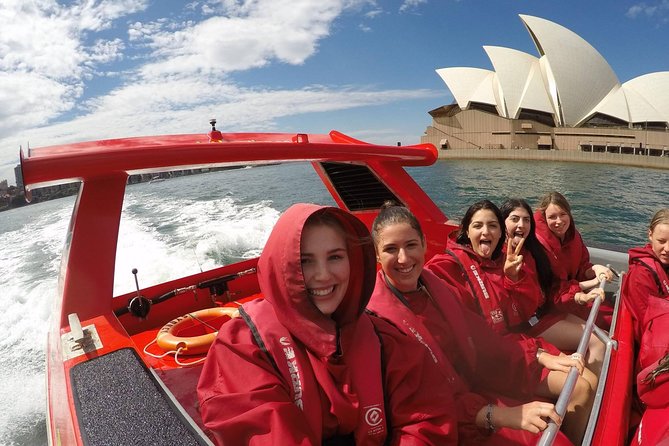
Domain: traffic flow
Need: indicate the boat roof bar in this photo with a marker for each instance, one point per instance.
(73, 162)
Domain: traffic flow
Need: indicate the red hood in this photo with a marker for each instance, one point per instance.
(640, 253)
(282, 283)
(544, 233)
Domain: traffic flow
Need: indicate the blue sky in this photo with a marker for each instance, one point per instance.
(80, 70)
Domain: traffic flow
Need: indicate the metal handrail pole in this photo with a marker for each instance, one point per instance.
(550, 432)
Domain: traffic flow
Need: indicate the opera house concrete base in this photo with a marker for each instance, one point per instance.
(558, 155)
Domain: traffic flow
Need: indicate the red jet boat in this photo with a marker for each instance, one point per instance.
(109, 377)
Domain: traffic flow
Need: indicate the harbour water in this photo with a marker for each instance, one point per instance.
(185, 224)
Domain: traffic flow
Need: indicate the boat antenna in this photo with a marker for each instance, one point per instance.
(196, 259)
(139, 305)
(214, 135)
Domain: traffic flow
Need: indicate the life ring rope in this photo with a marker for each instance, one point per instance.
(176, 355)
(169, 340)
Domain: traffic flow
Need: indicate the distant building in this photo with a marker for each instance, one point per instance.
(18, 176)
(569, 98)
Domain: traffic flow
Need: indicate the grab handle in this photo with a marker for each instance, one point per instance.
(550, 432)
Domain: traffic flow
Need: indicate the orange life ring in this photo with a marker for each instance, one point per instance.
(169, 339)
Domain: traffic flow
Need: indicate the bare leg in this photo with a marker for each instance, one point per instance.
(566, 335)
(580, 403)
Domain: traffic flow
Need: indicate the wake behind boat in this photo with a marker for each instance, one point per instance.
(123, 369)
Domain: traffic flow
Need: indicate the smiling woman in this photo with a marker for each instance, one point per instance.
(306, 350)
(325, 263)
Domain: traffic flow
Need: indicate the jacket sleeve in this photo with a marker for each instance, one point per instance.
(563, 295)
(243, 400)
(639, 286)
(584, 264)
(446, 267)
(419, 401)
(654, 393)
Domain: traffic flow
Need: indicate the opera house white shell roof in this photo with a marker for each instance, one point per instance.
(569, 80)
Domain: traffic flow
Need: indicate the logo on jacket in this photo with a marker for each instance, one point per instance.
(496, 315)
(294, 371)
(373, 415)
(480, 281)
(374, 419)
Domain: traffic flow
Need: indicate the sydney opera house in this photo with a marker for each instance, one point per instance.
(568, 98)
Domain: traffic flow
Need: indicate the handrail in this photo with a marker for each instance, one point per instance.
(551, 431)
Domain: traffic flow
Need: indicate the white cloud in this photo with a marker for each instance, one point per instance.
(44, 60)
(408, 5)
(184, 105)
(655, 10)
(181, 72)
(250, 35)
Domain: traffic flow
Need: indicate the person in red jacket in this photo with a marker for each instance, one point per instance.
(578, 279)
(560, 329)
(569, 257)
(645, 292)
(306, 365)
(486, 364)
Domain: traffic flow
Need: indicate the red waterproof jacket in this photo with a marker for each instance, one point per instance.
(645, 284)
(285, 373)
(532, 306)
(483, 286)
(569, 260)
(532, 297)
(477, 361)
(646, 294)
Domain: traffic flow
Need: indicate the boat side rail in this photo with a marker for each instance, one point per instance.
(551, 431)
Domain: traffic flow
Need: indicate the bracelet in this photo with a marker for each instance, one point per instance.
(488, 418)
(539, 352)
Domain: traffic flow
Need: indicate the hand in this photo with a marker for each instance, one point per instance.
(514, 260)
(532, 417)
(584, 298)
(562, 363)
(602, 272)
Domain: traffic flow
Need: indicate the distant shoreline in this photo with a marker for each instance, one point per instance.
(653, 162)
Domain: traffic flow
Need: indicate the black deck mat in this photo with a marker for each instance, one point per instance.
(119, 403)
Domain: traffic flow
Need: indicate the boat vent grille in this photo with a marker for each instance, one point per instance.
(357, 186)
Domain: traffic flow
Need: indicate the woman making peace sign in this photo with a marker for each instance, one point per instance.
(561, 329)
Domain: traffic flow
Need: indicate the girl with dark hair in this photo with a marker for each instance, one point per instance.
(646, 293)
(560, 329)
(489, 283)
(306, 365)
(487, 365)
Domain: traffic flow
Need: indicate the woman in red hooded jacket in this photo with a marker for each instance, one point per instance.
(577, 278)
(305, 365)
(646, 294)
(570, 260)
(486, 364)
